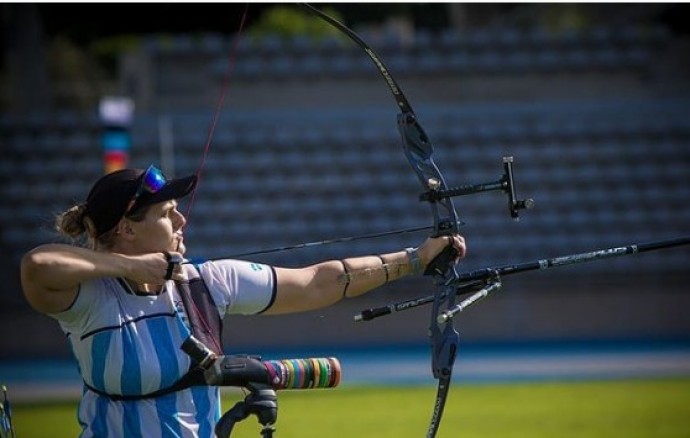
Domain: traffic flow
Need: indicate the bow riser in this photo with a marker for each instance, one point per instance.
(418, 151)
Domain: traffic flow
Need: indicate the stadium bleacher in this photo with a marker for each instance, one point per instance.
(607, 167)
(599, 180)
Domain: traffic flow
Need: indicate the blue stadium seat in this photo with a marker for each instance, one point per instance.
(548, 60)
(181, 43)
(281, 66)
(300, 44)
(450, 40)
(248, 68)
(508, 39)
(213, 44)
(401, 63)
(429, 63)
(271, 45)
(312, 65)
(459, 62)
(488, 61)
(516, 61)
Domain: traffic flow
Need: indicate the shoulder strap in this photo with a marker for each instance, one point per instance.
(193, 377)
(204, 319)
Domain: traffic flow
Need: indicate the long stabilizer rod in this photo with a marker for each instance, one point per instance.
(478, 276)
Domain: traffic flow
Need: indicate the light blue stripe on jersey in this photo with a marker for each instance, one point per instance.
(166, 407)
(100, 345)
(130, 376)
(165, 351)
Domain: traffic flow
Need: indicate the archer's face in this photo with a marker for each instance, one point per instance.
(161, 229)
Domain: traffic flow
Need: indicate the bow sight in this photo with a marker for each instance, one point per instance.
(505, 184)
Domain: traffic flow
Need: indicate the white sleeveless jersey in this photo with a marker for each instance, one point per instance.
(129, 344)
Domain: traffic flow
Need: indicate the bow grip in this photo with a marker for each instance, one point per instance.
(440, 264)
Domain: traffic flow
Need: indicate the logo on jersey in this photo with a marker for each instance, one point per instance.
(179, 308)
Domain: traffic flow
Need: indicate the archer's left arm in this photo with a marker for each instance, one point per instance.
(326, 283)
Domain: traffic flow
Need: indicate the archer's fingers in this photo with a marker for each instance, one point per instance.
(179, 273)
(458, 243)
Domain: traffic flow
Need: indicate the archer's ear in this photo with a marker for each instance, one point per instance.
(125, 229)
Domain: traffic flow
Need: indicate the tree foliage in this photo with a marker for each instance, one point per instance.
(288, 21)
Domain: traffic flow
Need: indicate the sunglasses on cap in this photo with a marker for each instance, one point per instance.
(152, 182)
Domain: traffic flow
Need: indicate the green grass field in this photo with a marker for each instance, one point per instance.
(626, 408)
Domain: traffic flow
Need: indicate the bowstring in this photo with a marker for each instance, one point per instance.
(216, 115)
(219, 106)
(330, 241)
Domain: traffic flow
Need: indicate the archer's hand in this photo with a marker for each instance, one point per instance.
(433, 246)
(152, 268)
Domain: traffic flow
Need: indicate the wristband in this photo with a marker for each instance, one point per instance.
(415, 261)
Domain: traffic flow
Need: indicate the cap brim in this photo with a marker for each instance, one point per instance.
(174, 189)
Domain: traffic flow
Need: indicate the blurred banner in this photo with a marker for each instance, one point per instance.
(116, 115)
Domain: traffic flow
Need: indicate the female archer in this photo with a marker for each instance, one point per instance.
(127, 300)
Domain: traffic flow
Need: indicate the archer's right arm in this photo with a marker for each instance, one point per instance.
(51, 274)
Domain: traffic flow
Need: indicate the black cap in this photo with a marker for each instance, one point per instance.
(110, 196)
